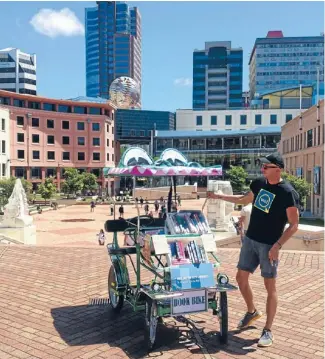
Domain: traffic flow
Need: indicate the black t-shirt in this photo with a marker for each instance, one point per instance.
(269, 215)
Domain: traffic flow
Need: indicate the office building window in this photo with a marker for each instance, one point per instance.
(96, 126)
(80, 126)
(112, 130)
(35, 122)
(288, 117)
(3, 146)
(96, 156)
(198, 120)
(258, 119)
(64, 108)
(34, 105)
(51, 155)
(66, 140)
(66, 156)
(19, 103)
(213, 120)
(3, 169)
(94, 110)
(35, 155)
(107, 157)
(50, 140)
(107, 142)
(228, 120)
(3, 124)
(141, 133)
(81, 156)
(35, 138)
(300, 142)
(273, 119)
(81, 141)
(49, 107)
(107, 128)
(243, 119)
(20, 121)
(318, 136)
(50, 123)
(309, 138)
(20, 137)
(96, 141)
(80, 109)
(65, 125)
(20, 154)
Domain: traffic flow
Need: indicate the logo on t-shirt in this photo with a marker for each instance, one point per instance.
(264, 200)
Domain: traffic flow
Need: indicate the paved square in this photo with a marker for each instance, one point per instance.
(45, 292)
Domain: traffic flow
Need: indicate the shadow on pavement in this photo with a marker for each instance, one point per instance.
(90, 325)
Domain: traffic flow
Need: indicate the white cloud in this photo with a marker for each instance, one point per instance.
(183, 81)
(54, 23)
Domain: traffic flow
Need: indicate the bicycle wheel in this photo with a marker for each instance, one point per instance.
(223, 317)
(151, 322)
(116, 301)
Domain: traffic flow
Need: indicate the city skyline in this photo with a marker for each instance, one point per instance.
(167, 45)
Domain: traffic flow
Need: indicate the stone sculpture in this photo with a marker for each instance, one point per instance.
(16, 212)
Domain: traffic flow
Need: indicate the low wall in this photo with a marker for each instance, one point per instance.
(307, 238)
(186, 192)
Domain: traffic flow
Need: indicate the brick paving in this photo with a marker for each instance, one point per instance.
(44, 311)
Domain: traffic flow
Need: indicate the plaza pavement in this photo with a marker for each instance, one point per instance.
(46, 293)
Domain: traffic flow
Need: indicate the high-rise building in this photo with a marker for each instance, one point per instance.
(277, 62)
(113, 45)
(217, 76)
(17, 71)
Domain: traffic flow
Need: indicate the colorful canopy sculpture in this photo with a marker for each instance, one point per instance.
(137, 163)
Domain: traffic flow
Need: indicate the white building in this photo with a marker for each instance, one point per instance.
(4, 143)
(243, 119)
(17, 71)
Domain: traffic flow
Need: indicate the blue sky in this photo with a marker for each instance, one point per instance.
(170, 33)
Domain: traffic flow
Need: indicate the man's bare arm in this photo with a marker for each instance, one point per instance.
(293, 220)
(237, 199)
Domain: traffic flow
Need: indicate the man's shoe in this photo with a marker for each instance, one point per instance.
(266, 338)
(248, 319)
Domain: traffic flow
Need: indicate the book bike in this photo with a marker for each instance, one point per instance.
(176, 249)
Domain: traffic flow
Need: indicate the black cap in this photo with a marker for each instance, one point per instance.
(274, 158)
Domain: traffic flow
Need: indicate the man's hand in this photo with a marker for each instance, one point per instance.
(274, 253)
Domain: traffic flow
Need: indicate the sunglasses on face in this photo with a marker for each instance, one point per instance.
(265, 167)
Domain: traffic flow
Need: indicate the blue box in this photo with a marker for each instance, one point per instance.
(192, 276)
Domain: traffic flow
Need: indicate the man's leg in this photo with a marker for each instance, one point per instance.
(272, 301)
(247, 264)
(245, 289)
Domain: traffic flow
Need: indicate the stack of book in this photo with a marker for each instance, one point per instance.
(186, 254)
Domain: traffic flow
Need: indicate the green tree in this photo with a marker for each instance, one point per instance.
(237, 177)
(302, 187)
(72, 181)
(7, 186)
(47, 189)
(89, 181)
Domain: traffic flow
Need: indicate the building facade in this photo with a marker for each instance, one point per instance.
(17, 71)
(136, 126)
(226, 148)
(302, 147)
(48, 135)
(5, 143)
(278, 62)
(232, 119)
(217, 76)
(113, 45)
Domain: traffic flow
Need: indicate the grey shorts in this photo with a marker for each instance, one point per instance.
(255, 253)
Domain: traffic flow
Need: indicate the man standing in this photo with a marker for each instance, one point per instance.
(275, 203)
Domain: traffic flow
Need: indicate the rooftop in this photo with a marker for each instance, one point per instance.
(230, 133)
